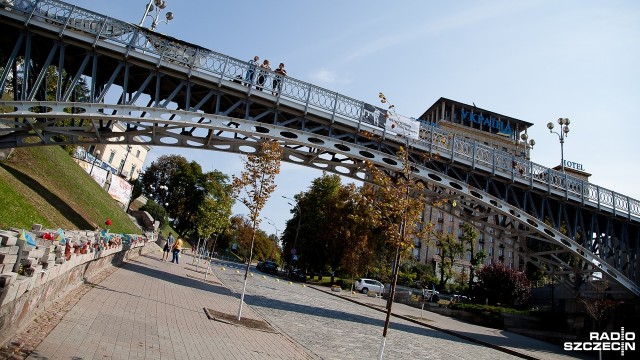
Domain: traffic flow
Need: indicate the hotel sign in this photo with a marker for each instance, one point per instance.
(573, 165)
(503, 127)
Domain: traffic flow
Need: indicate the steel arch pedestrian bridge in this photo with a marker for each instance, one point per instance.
(166, 92)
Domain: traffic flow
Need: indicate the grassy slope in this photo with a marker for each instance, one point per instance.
(44, 185)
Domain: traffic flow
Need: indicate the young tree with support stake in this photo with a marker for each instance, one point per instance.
(397, 202)
(254, 187)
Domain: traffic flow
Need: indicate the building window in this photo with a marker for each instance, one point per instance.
(450, 218)
(439, 227)
(121, 167)
(491, 239)
(439, 215)
(450, 229)
(490, 251)
(489, 261)
(511, 265)
(468, 257)
(111, 156)
(480, 247)
(437, 251)
(510, 254)
(500, 252)
(138, 154)
(133, 170)
(459, 232)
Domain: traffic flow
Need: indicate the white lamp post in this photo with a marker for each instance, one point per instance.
(562, 134)
(155, 19)
(527, 145)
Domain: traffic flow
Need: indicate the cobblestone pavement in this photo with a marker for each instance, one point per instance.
(332, 327)
(150, 309)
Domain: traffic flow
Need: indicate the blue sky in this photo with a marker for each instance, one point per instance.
(532, 60)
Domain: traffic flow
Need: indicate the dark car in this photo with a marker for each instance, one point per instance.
(269, 267)
(298, 275)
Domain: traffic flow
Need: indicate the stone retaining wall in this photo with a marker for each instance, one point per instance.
(45, 277)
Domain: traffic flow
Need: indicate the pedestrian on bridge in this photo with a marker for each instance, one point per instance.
(277, 81)
(253, 65)
(263, 74)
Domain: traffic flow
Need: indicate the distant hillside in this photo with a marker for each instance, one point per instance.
(44, 185)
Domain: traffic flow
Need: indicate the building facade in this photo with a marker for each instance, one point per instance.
(501, 132)
(122, 160)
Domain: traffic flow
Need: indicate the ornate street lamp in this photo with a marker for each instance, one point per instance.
(155, 18)
(562, 134)
(527, 145)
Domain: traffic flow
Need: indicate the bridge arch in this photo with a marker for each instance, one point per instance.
(317, 127)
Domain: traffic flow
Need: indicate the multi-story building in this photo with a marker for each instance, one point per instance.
(491, 129)
(120, 159)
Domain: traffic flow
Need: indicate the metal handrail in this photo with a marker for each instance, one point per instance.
(198, 60)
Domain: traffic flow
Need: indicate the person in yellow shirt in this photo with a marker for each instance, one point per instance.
(177, 246)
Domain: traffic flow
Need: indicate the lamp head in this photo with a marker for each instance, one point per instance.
(566, 130)
(532, 142)
(550, 126)
(169, 16)
(524, 136)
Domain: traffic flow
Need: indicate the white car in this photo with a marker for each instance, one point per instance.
(366, 285)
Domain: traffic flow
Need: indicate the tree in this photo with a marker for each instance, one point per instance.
(254, 187)
(449, 250)
(397, 202)
(502, 285)
(215, 209)
(156, 211)
(357, 233)
(470, 239)
(321, 204)
(241, 231)
(182, 188)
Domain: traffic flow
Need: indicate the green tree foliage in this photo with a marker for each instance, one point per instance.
(156, 211)
(449, 249)
(189, 194)
(318, 246)
(470, 243)
(502, 285)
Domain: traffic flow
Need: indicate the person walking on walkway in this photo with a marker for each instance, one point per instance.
(167, 247)
(177, 247)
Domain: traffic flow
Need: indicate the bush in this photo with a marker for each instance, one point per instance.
(502, 285)
(156, 211)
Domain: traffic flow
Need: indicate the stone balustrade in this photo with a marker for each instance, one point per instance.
(32, 277)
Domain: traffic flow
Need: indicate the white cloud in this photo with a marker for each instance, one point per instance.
(324, 76)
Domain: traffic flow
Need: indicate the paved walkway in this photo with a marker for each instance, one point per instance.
(151, 309)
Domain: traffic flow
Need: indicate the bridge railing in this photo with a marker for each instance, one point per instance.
(198, 59)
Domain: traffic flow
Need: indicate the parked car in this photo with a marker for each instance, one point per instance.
(268, 266)
(298, 275)
(366, 285)
(430, 295)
